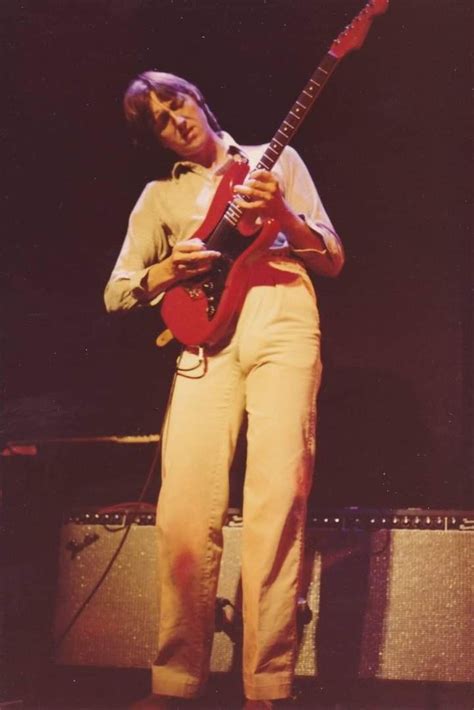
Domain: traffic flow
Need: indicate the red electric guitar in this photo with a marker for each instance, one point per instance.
(203, 311)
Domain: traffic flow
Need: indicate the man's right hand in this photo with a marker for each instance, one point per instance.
(190, 258)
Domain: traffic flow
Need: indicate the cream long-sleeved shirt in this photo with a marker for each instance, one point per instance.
(171, 210)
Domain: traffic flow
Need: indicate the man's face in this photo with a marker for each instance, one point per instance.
(181, 125)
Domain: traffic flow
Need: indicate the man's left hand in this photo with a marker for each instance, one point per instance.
(260, 198)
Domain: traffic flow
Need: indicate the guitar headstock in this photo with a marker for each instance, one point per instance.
(354, 35)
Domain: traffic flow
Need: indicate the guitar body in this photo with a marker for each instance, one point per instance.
(204, 310)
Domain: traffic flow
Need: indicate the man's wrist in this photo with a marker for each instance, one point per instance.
(159, 277)
(288, 220)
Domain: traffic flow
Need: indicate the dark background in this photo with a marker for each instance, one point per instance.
(387, 145)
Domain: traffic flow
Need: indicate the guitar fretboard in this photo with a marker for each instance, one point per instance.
(290, 125)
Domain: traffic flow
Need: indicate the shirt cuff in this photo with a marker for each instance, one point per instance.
(137, 280)
(327, 233)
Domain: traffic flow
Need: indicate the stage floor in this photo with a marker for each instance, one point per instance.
(67, 688)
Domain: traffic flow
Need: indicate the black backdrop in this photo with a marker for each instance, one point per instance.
(387, 145)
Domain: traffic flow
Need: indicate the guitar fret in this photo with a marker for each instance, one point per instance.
(308, 94)
(268, 167)
(273, 150)
(278, 142)
(230, 220)
(322, 70)
(288, 124)
(315, 82)
(302, 105)
(295, 115)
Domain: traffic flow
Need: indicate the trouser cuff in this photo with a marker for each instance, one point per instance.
(166, 682)
(267, 687)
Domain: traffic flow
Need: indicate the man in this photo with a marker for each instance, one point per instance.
(269, 369)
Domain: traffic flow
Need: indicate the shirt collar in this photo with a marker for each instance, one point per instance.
(232, 148)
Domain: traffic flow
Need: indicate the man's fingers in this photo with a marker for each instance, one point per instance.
(190, 263)
(192, 249)
(254, 191)
(190, 245)
(193, 268)
(264, 175)
(195, 257)
(252, 205)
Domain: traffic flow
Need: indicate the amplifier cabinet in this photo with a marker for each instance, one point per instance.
(379, 599)
(118, 626)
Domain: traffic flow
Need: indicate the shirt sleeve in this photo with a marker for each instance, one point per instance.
(145, 244)
(302, 196)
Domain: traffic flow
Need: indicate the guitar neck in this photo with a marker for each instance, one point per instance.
(298, 112)
(290, 125)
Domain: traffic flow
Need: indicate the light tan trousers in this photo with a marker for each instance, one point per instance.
(271, 368)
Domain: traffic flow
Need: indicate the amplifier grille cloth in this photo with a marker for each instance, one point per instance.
(393, 604)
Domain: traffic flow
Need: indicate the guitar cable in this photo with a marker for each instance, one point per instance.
(130, 518)
(127, 525)
(201, 360)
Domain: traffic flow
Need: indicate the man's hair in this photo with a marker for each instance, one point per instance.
(138, 113)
